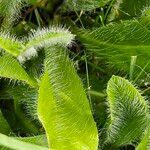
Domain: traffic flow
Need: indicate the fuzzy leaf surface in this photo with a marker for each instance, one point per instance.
(118, 42)
(128, 112)
(63, 107)
(45, 37)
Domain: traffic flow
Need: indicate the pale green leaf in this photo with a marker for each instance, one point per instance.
(63, 107)
(128, 112)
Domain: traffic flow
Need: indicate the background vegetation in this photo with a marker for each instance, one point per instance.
(48, 48)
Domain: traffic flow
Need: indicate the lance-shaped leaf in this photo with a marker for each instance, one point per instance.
(12, 143)
(128, 112)
(4, 126)
(63, 107)
(10, 68)
(118, 42)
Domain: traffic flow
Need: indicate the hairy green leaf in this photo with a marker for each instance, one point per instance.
(45, 37)
(128, 112)
(118, 42)
(10, 68)
(63, 107)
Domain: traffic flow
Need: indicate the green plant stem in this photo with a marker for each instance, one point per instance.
(88, 81)
(108, 9)
(97, 94)
(132, 66)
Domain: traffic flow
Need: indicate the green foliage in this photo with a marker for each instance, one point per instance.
(48, 105)
(10, 44)
(117, 43)
(65, 105)
(86, 4)
(145, 143)
(10, 9)
(128, 112)
(134, 9)
(27, 47)
(5, 129)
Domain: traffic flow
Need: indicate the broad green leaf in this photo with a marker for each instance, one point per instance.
(14, 144)
(10, 68)
(63, 107)
(117, 43)
(128, 112)
(4, 127)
